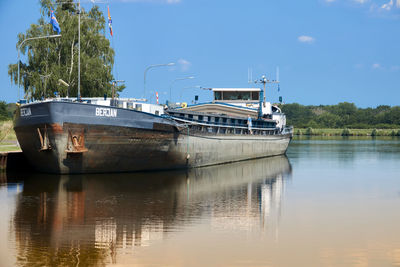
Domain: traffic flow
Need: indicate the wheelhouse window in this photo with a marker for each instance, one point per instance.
(236, 95)
(217, 95)
(255, 96)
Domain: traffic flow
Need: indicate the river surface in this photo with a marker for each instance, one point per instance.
(330, 202)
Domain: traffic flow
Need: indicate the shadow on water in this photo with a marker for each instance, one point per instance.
(89, 219)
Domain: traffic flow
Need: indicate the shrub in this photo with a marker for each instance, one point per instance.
(345, 132)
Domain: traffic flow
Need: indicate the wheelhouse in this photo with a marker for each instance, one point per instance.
(236, 95)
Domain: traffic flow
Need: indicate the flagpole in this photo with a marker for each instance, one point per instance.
(79, 50)
(112, 46)
(113, 70)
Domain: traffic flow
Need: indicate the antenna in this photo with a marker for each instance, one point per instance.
(277, 74)
(265, 81)
(249, 75)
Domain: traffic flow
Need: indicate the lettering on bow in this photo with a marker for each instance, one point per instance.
(106, 112)
(25, 112)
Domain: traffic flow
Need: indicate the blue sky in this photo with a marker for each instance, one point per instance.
(327, 51)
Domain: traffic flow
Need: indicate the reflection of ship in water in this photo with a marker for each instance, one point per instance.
(88, 218)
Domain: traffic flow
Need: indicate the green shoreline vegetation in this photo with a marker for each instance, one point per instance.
(8, 140)
(343, 119)
(346, 132)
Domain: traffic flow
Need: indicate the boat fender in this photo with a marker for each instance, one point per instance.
(184, 105)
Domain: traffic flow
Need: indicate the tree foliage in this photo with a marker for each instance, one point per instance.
(342, 115)
(51, 59)
(3, 111)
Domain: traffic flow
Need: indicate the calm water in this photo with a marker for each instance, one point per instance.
(330, 202)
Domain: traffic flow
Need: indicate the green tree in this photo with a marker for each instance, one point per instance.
(49, 60)
(3, 111)
(345, 132)
(309, 131)
(297, 114)
(328, 120)
(11, 107)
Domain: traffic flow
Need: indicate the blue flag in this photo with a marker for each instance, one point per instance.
(54, 22)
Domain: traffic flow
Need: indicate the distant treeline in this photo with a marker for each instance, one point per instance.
(342, 115)
(6, 110)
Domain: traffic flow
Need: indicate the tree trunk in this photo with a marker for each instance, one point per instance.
(72, 58)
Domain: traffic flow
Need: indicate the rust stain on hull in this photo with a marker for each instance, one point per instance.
(56, 128)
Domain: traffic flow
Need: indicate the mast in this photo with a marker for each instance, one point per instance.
(264, 81)
(79, 50)
(263, 101)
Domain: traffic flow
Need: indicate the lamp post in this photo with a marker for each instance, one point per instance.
(19, 48)
(114, 83)
(145, 72)
(177, 79)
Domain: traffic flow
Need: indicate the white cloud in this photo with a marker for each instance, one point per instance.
(306, 39)
(388, 6)
(381, 8)
(395, 68)
(184, 64)
(376, 66)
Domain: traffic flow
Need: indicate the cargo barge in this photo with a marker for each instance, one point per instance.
(96, 135)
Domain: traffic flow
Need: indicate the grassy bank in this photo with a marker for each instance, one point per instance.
(347, 132)
(8, 140)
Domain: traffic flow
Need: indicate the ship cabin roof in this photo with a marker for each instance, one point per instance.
(222, 120)
(236, 95)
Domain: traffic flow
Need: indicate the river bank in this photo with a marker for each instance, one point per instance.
(346, 132)
(8, 140)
